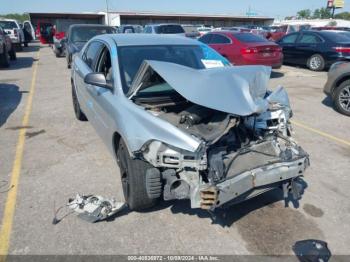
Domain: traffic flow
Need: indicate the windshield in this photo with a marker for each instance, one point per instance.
(84, 34)
(196, 56)
(249, 38)
(8, 25)
(169, 29)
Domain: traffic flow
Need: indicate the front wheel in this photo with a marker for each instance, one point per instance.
(134, 181)
(341, 98)
(316, 63)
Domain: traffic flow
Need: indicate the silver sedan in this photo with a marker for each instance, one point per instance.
(183, 123)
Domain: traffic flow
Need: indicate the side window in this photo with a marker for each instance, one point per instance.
(289, 39)
(148, 30)
(104, 64)
(219, 39)
(91, 54)
(309, 39)
(205, 39)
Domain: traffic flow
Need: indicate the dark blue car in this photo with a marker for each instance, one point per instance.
(316, 49)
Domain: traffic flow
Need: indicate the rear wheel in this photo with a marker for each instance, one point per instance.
(77, 110)
(12, 53)
(341, 98)
(316, 63)
(19, 47)
(4, 58)
(134, 182)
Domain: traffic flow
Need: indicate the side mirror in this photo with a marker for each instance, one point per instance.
(97, 79)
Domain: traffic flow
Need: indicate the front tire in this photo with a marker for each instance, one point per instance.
(77, 110)
(341, 98)
(316, 63)
(133, 178)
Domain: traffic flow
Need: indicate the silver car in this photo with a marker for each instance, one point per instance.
(183, 123)
(338, 86)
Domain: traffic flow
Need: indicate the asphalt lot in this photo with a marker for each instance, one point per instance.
(63, 157)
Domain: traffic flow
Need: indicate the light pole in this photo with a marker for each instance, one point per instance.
(107, 12)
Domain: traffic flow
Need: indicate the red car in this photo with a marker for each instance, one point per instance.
(244, 48)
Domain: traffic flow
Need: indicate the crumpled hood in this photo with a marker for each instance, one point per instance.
(238, 90)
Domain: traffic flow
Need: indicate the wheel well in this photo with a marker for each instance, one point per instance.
(116, 139)
(340, 81)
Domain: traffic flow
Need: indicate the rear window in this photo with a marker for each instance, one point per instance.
(249, 38)
(8, 25)
(337, 37)
(169, 29)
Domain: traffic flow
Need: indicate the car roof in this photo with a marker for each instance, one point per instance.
(163, 24)
(7, 19)
(147, 39)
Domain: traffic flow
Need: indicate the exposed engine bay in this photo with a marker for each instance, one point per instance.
(239, 156)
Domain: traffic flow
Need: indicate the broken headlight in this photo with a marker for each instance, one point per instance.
(160, 154)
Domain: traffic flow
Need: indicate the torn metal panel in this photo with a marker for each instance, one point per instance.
(236, 90)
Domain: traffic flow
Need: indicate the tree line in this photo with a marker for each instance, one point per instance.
(18, 17)
(319, 13)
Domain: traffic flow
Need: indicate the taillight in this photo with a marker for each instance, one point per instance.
(15, 32)
(279, 49)
(341, 49)
(249, 50)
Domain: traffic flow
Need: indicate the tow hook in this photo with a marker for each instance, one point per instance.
(209, 198)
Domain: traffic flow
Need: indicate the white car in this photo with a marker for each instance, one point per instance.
(14, 31)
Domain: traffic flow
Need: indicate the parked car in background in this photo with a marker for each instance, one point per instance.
(14, 31)
(130, 29)
(28, 27)
(317, 50)
(45, 32)
(244, 48)
(204, 30)
(7, 50)
(191, 31)
(164, 29)
(338, 86)
(78, 35)
(277, 32)
(181, 129)
(330, 28)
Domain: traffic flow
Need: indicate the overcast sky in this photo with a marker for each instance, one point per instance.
(274, 8)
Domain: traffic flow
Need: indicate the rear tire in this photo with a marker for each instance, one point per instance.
(12, 53)
(19, 47)
(341, 98)
(316, 63)
(4, 58)
(79, 114)
(133, 178)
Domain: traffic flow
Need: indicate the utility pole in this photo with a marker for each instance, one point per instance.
(107, 12)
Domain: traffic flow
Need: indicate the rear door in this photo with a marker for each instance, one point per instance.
(288, 44)
(307, 45)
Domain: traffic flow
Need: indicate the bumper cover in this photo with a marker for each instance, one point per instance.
(269, 176)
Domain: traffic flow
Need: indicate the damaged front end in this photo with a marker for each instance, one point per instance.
(246, 145)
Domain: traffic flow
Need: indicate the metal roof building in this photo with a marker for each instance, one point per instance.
(216, 20)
